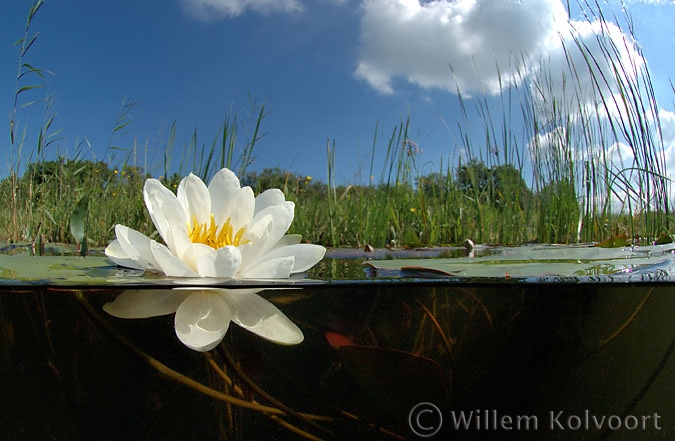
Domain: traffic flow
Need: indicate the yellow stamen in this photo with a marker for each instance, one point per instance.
(209, 234)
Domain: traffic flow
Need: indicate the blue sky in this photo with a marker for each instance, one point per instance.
(325, 69)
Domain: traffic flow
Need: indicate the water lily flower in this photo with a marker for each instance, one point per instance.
(203, 315)
(217, 231)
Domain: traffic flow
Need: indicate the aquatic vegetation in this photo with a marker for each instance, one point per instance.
(535, 328)
(543, 170)
(217, 231)
(202, 316)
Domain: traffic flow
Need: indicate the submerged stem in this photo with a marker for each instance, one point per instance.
(619, 330)
(164, 369)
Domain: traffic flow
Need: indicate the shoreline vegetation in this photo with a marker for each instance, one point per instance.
(570, 194)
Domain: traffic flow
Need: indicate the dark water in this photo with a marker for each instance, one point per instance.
(556, 361)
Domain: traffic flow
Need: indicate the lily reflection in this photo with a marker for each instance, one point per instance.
(203, 315)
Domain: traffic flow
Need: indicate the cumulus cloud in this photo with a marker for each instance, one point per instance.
(558, 146)
(667, 123)
(218, 9)
(211, 10)
(581, 74)
(487, 45)
(481, 40)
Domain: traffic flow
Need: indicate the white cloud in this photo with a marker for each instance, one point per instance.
(209, 10)
(553, 147)
(481, 40)
(573, 81)
(667, 122)
(653, 2)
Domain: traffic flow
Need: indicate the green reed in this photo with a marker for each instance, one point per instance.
(560, 144)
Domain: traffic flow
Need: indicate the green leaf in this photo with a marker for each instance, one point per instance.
(614, 242)
(28, 45)
(27, 88)
(542, 262)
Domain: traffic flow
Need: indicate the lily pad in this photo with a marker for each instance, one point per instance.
(26, 270)
(542, 263)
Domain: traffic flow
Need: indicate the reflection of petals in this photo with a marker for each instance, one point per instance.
(203, 315)
(259, 316)
(202, 320)
(145, 303)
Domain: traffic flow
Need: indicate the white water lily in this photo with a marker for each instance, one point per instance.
(203, 315)
(217, 231)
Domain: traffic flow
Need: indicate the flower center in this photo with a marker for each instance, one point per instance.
(209, 234)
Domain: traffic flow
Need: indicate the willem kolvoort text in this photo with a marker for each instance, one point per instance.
(486, 419)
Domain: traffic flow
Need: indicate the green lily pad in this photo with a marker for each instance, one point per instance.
(544, 262)
(27, 270)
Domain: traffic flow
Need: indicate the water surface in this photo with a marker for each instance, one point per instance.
(553, 356)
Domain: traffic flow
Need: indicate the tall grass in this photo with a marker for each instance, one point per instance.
(225, 150)
(541, 130)
(41, 193)
(579, 155)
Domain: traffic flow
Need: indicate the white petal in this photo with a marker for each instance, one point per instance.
(256, 236)
(279, 268)
(115, 253)
(274, 229)
(289, 239)
(164, 209)
(193, 252)
(282, 216)
(259, 228)
(222, 186)
(239, 209)
(171, 265)
(267, 198)
(195, 199)
(259, 316)
(145, 303)
(223, 262)
(136, 246)
(305, 255)
(178, 235)
(202, 320)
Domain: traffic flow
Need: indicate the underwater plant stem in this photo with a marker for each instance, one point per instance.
(446, 340)
(619, 330)
(164, 369)
(309, 418)
(648, 384)
(261, 392)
